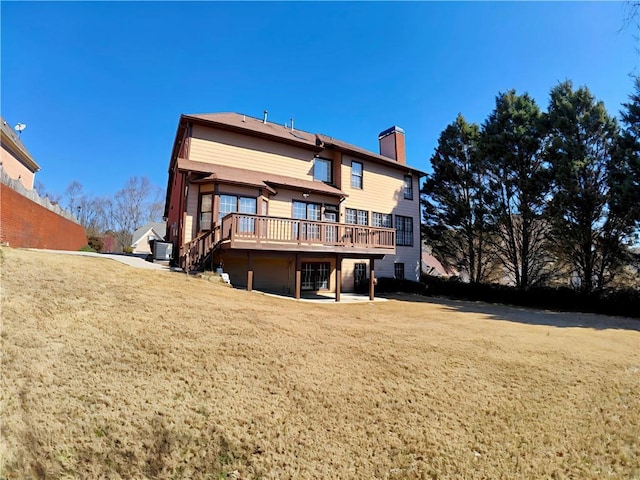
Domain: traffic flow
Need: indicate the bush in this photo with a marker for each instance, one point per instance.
(95, 242)
(625, 302)
(391, 285)
(87, 248)
(127, 249)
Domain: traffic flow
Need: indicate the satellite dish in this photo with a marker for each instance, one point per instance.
(20, 127)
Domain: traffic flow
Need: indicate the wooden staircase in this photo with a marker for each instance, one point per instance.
(195, 253)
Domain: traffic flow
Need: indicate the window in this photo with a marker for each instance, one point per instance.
(408, 187)
(232, 204)
(359, 275)
(356, 175)
(404, 231)
(322, 170)
(381, 220)
(206, 211)
(228, 204)
(356, 217)
(398, 270)
(315, 276)
(306, 211)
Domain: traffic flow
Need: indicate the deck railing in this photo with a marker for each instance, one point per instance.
(193, 253)
(245, 228)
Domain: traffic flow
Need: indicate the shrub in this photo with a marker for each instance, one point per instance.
(624, 302)
(390, 285)
(87, 248)
(95, 242)
(127, 249)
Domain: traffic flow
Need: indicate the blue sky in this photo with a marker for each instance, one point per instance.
(101, 85)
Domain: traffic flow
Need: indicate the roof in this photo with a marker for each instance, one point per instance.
(241, 176)
(314, 141)
(13, 142)
(159, 228)
(431, 266)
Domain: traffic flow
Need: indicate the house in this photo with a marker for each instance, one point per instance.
(15, 160)
(288, 211)
(143, 235)
(26, 219)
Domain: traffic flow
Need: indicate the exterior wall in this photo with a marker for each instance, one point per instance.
(243, 151)
(14, 167)
(383, 192)
(191, 213)
(174, 214)
(24, 223)
(281, 205)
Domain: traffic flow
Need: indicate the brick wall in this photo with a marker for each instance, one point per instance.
(25, 223)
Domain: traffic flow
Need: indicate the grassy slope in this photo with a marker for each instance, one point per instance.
(111, 372)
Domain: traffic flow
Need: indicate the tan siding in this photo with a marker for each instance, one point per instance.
(243, 151)
(274, 274)
(191, 221)
(383, 192)
(281, 205)
(348, 270)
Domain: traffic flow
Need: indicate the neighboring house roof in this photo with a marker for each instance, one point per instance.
(431, 266)
(241, 176)
(317, 142)
(159, 229)
(12, 142)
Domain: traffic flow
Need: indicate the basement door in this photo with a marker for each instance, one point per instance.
(315, 276)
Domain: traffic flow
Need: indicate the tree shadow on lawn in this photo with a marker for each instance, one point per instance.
(530, 316)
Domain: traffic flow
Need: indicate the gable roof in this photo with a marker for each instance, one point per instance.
(159, 228)
(313, 141)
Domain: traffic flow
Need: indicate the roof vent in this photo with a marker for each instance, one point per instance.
(264, 120)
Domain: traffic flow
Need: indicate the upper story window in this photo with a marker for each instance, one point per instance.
(356, 175)
(322, 170)
(408, 187)
(404, 231)
(381, 220)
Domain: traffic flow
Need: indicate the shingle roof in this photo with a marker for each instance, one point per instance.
(159, 227)
(241, 176)
(314, 141)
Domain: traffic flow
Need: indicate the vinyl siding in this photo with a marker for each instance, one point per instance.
(243, 151)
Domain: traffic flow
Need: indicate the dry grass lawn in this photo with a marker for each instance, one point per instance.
(113, 372)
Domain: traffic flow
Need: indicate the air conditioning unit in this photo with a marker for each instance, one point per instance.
(162, 250)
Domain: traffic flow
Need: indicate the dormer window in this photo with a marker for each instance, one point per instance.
(322, 170)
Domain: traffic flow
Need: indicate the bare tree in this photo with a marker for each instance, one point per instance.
(131, 207)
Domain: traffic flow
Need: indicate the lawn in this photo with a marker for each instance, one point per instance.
(114, 372)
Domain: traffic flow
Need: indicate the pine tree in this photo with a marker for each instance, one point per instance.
(592, 217)
(512, 140)
(453, 201)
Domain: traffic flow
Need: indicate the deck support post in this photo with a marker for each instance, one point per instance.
(338, 276)
(298, 275)
(371, 278)
(249, 271)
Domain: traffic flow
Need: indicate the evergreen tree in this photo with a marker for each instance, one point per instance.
(512, 142)
(591, 216)
(453, 201)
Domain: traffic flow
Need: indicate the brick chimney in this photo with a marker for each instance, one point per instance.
(392, 144)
